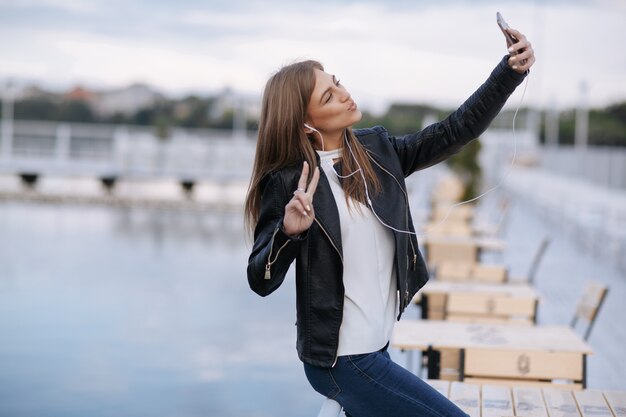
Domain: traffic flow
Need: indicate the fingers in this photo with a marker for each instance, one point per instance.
(299, 212)
(522, 53)
(516, 34)
(303, 177)
(304, 194)
(523, 68)
(296, 205)
(525, 54)
(313, 184)
(305, 202)
(521, 44)
(523, 61)
(302, 200)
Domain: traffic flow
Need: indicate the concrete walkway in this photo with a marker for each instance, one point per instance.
(560, 280)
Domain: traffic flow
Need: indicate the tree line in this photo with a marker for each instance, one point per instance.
(191, 112)
(607, 125)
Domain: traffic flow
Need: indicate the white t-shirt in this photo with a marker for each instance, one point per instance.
(369, 275)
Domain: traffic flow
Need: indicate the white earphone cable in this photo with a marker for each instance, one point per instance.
(506, 173)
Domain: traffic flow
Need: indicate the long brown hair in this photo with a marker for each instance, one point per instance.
(282, 141)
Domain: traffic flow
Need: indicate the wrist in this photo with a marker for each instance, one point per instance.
(290, 234)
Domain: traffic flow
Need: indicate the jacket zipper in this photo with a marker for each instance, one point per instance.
(406, 201)
(269, 263)
(329, 239)
(340, 257)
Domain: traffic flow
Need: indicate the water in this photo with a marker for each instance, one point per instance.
(136, 312)
(122, 312)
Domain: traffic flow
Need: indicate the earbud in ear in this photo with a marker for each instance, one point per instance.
(318, 132)
(309, 127)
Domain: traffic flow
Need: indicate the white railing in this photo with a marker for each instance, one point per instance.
(48, 148)
(136, 152)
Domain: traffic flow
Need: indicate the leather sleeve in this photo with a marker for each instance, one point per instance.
(441, 140)
(269, 237)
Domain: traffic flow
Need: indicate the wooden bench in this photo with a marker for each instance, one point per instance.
(448, 228)
(486, 400)
(441, 249)
(479, 303)
(448, 190)
(471, 272)
(500, 401)
(458, 214)
(530, 354)
(589, 305)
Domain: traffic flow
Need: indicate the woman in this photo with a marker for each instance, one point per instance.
(334, 200)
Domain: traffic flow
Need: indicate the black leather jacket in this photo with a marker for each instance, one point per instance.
(318, 252)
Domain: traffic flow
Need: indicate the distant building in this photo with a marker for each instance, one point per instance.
(79, 94)
(128, 100)
(224, 101)
(125, 101)
(229, 100)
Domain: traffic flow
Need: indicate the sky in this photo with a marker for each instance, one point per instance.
(433, 51)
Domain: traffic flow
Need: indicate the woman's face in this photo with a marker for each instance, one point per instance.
(331, 108)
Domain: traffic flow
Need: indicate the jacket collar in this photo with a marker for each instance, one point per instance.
(326, 211)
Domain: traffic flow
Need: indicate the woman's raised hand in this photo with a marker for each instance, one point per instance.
(299, 212)
(522, 54)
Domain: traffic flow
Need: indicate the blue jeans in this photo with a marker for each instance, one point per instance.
(372, 385)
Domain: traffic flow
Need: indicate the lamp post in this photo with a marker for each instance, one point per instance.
(239, 118)
(8, 98)
(582, 120)
(552, 125)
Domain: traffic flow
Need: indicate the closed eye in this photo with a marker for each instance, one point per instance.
(330, 95)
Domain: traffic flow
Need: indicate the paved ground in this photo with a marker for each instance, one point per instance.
(565, 268)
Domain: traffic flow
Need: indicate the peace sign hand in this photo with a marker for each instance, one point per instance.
(299, 212)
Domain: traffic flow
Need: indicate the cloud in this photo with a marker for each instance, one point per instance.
(73, 6)
(436, 51)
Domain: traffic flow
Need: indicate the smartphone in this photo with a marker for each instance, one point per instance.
(510, 39)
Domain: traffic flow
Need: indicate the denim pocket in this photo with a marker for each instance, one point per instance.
(322, 381)
(370, 366)
(363, 362)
